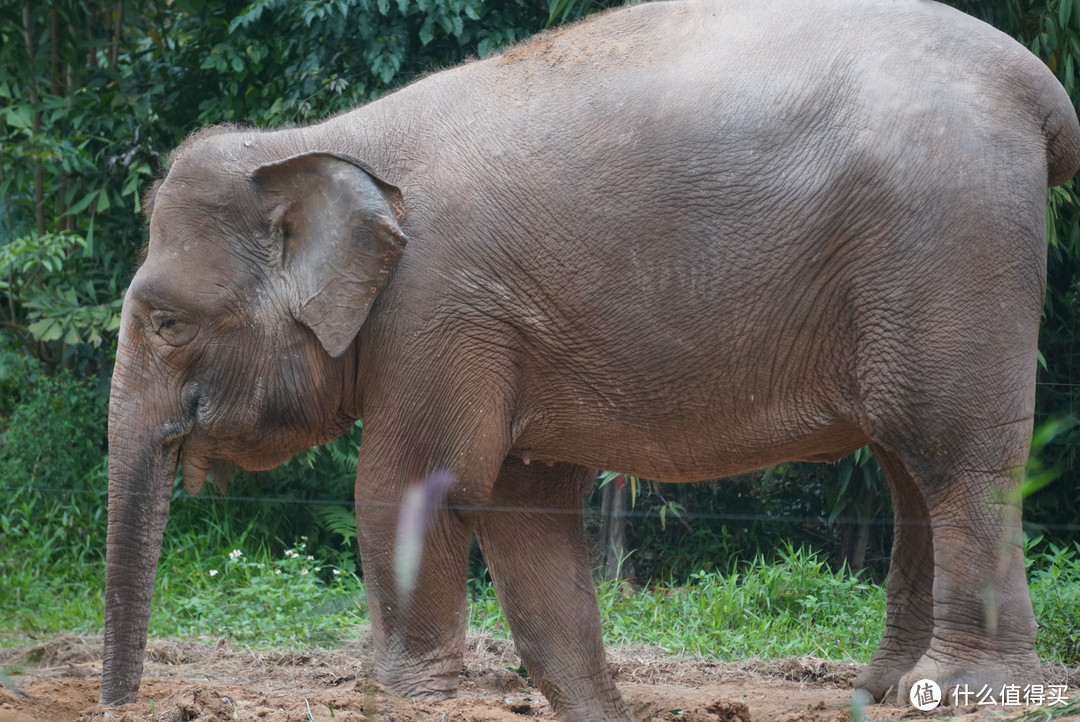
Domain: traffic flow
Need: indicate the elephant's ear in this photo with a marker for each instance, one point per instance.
(336, 224)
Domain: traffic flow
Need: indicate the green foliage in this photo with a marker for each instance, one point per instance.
(840, 509)
(792, 607)
(219, 583)
(264, 600)
(93, 95)
(72, 165)
(42, 277)
(272, 62)
(52, 484)
(1054, 578)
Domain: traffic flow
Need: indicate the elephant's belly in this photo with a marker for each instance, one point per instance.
(688, 453)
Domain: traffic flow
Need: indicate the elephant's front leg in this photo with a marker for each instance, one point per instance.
(419, 637)
(533, 538)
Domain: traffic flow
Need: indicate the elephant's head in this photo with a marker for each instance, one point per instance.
(258, 276)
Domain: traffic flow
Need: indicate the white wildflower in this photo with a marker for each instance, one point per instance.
(235, 554)
(213, 572)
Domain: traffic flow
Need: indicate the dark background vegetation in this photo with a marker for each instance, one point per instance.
(93, 96)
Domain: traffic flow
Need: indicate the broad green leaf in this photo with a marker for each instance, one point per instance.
(47, 329)
(20, 117)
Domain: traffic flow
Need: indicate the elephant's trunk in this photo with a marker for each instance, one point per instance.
(143, 453)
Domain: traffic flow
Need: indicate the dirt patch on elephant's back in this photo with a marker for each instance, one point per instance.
(209, 680)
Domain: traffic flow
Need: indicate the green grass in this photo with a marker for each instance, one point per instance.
(1054, 579)
(256, 599)
(251, 597)
(791, 606)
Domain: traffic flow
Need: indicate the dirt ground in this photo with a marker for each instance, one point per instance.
(209, 681)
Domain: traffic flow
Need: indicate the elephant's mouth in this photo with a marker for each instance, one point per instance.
(216, 443)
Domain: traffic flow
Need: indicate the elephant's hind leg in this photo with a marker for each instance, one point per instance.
(984, 625)
(909, 611)
(964, 469)
(945, 370)
(533, 539)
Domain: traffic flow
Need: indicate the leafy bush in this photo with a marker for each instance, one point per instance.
(52, 486)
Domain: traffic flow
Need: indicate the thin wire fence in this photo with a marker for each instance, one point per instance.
(689, 515)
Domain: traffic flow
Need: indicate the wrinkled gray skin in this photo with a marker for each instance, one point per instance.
(681, 240)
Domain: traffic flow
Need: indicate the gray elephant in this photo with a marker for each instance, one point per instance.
(683, 240)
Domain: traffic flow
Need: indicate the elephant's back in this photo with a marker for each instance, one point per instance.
(722, 125)
(721, 73)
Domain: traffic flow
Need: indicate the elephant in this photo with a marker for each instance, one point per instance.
(682, 240)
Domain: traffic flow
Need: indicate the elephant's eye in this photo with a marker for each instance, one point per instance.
(171, 330)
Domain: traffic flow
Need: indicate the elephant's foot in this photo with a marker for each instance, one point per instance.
(419, 682)
(608, 707)
(881, 677)
(904, 643)
(969, 678)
